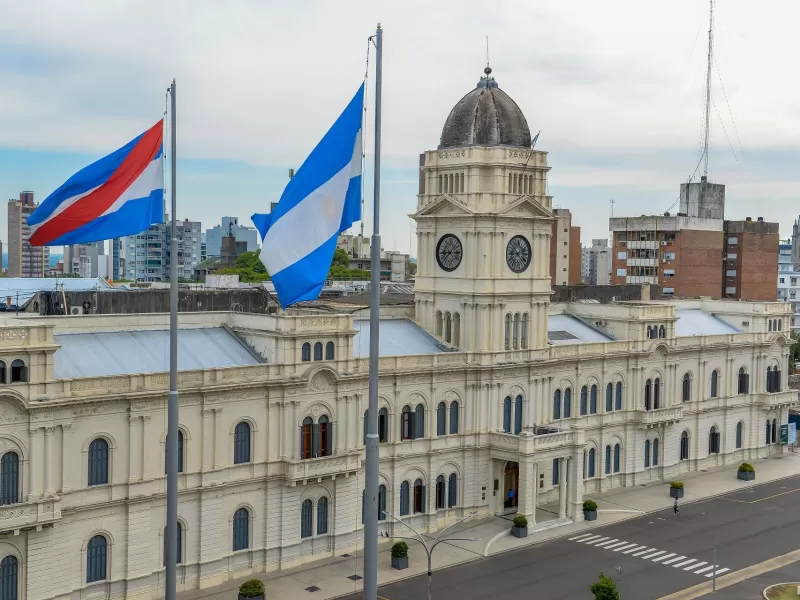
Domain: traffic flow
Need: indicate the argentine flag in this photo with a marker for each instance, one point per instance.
(321, 200)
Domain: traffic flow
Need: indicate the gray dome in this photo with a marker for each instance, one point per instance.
(486, 116)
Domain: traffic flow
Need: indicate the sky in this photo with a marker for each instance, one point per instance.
(616, 89)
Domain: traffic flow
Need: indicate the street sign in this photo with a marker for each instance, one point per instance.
(784, 433)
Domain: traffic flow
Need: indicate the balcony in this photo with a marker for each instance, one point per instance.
(510, 447)
(28, 515)
(658, 416)
(779, 399)
(296, 471)
(642, 262)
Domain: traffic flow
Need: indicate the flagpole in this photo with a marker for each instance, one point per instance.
(371, 479)
(172, 406)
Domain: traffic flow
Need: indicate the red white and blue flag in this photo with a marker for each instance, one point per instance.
(120, 194)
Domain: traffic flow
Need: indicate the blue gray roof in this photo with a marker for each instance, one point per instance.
(146, 351)
(566, 329)
(398, 337)
(693, 321)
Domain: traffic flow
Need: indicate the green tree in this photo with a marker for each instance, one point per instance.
(411, 268)
(340, 259)
(605, 589)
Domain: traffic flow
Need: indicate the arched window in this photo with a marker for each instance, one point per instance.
(329, 351)
(593, 400)
(662, 332)
(739, 434)
(567, 403)
(618, 399)
(769, 325)
(591, 462)
(19, 372)
(180, 454)
(608, 460)
(516, 331)
(306, 352)
(556, 464)
(508, 332)
(648, 395)
(714, 383)
(780, 324)
(684, 446)
(744, 381)
(318, 351)
(305, 518)
(524, 331)
(381, 503)
(439, 323)
(441, 415)
(507, 414)
(687, 387)
(404, 498)
(713, 441)
(448, 327)
(241, 530)
(454, 417)
(2, 372)
(324, 443)
(649, 332)
(616, 458)
(98, 462)
(307, 435)
(657, 393)
(440, 492)
(655, 452)
(96, 559)
(419, 422)
(769, 427)
(646, 453)
(584, 400)
(383, 425)
(407, 423)
(322, 515)
(774, 431)
(8, 578)
(518, 415)
(609, 397)
(452, 491)
(557, 405)
(456, 330)
(419, 496)
(241, 443)
(9, 478)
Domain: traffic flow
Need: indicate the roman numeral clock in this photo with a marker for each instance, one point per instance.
(518, 254)
(449, 252)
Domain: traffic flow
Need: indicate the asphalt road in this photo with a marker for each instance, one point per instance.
(747, 527)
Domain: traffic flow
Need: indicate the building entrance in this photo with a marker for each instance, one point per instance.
(511, 486)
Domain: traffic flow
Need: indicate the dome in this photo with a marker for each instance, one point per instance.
(486, 116)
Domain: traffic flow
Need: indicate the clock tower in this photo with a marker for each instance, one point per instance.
(483, 228)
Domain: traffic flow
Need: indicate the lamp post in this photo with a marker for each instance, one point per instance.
(436, 541)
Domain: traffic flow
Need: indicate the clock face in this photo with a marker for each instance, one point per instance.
(518, 254)
(449, 252)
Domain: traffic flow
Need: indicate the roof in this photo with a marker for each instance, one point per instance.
(25, 287)
(146, 351)
(398, 337)
(386, 299)
(486, 116)
(693, 321)
(566, 329)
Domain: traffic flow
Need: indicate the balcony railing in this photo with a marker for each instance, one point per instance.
(658, 416)
(26, 515)
(779, 399)
(528, 443)
(325, 466)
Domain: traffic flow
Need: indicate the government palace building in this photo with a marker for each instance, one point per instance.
(486, 386)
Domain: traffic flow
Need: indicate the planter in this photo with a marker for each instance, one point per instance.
(746, 475)
(519, 532)
(400, 563)
(261, 597)
(590, 515)
(676, 492)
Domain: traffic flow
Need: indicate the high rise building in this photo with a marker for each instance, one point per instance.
(24, 260)
(230, 226)
(189, 252)
(596, 263)
(86, 260)
(147, 254)
(565, 249)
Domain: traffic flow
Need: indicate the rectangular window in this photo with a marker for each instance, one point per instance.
(621, 272)
(730, 273)
(730, 290)
(731, 256)
(794, 281)
(622, 255)
(555, 471)
(733, 240)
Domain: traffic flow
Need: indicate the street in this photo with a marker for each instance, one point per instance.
(659, 553)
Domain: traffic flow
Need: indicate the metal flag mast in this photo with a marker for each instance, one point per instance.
(371, 475)
(171, 532)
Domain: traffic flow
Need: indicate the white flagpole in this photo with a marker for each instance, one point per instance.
(171, 533)
(371, 505)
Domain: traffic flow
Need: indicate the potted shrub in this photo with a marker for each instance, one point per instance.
(589, 510)
(605, 589)
(676, 489)
(520, 528)
(252, 588)
(400, 556)
(746, 472)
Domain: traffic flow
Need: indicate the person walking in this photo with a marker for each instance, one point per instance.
(675, 507)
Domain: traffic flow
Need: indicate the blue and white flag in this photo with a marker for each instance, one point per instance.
(321, 200)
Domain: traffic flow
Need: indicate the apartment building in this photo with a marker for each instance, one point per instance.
(24, 260)
(596, 263)
(565, 249)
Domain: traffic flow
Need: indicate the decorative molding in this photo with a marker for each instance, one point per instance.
(105, 383)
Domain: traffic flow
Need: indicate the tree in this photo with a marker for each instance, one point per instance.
(248, 267)
(605, 589)
(340, 267)
(411, 268)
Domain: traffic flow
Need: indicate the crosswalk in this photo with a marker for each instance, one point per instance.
(662, 557)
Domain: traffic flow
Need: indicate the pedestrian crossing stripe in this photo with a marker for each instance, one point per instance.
(685, 563)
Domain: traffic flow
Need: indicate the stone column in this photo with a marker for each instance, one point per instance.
(33, 456)
(49, 459)
(338, 427)
(527, 490)
(535, 470)
(207, 442)
(576, 485)
(219, 445)
(562, 487)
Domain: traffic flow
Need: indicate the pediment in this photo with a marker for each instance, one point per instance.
(446, 206)
(527, 207)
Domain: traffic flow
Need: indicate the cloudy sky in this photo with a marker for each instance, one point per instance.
(615, 87)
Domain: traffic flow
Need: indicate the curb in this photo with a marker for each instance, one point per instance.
(769, 587)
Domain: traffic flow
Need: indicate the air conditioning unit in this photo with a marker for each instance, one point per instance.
(76, 310)
(663, 243)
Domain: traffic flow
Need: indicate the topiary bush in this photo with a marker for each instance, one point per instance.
(676, 485)
(520, 521)
(400, 550)
(589, 505)
(605, 589)
(252, 588)
(746, 468)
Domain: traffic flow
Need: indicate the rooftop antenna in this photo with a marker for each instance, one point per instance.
(487, 52)
(707, 131)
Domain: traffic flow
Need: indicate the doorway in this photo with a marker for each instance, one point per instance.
(511, 482)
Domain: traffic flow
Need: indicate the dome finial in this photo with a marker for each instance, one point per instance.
(487, 69)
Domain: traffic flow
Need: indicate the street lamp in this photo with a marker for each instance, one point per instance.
(436, 541)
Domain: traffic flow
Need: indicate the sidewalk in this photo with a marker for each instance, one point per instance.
(330, 575)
